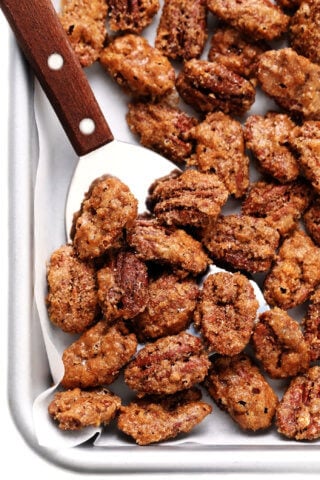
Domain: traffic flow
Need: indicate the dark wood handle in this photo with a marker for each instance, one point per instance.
(40, 34)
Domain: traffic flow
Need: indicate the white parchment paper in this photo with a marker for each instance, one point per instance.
(57, 162)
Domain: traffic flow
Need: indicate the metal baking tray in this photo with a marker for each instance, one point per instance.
(28, 364)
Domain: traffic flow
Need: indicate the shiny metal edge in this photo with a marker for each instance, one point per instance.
(24, 352)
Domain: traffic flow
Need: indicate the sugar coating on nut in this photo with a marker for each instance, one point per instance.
(155, 419)
(238, 387)
(168, 365)
(259, 19)
(298, 413)
(188, 198)
(167, 245)
(137, 67)
(268, 138)
(305, 140)
(72, 298)
(281, 205)
(304, 31)
(312, 220)
(171, 302)
(245, 242)
(292, 80)
(295, 272)
(211, 86)
(85, 25)
(162, 128)
(220, 149)
(76, 409)
(122, 286)
(236, 51)
(226, 312)
(97, 357)
(107, 209)
(279, 344)
(182, 30)
(133, 17)
(311, 325)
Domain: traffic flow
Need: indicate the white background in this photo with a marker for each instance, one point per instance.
(17, 458)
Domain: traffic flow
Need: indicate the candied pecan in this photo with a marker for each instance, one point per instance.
(259, 19)
(311, 324)
(268, 138)
(167, 245)
(279, 344)
(281, 205)
(304, 33)
(76, 409)
(98, 355)
(312, 220)
(292, 80)
(72, 298)
(130, 16)
(155, 419)
(226, 312)
(168, 365)
(220, 149)
(107, 209)
(122, 286)
(182, 30)
(298, 413)
(238, 387)
(139, 69)
(295, 272)
(245, 242)
(210, 86)
(188, 198)
(305, 140)
(162, 128)
(170, 307)
(234, 50)
(84, 23)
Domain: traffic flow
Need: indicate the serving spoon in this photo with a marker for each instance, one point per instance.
(46, 47)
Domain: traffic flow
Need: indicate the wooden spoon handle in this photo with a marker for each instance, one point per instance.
(40, 35)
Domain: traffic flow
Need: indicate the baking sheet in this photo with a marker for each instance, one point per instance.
(55, 163)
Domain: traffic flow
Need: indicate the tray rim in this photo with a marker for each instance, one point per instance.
(85, 458)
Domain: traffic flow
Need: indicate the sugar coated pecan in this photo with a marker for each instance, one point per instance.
(85, 25)
(211, 86)
(76, 409)
(97, 357)
(226, 312)
(162, 128)
(304, 30)
(155, 419)
(182, 30)
(279, 344)
(122, 286)
(245, 242)
(167, 245)
(311, 324)
(168, 365)
(131, 16)
(295, 272)
(292, 80)
(171, 302)
(298, 413)
(108, 207)
(72, 299)
(220, 149)
(268, 139)
(258, 19)
(188, 198)
(238, 387)
(312, 220)
(139, 69)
